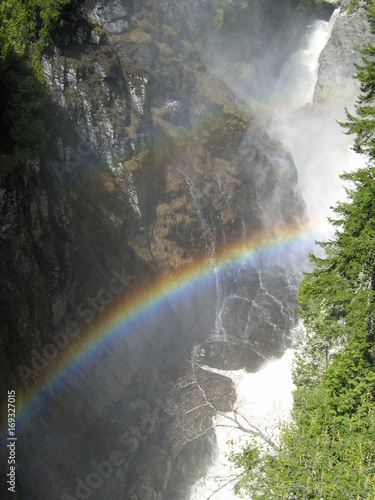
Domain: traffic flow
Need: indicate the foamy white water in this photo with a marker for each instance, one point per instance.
(296, 83)
(265, 399)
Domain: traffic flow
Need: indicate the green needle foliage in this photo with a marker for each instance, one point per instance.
(25, 32)
(327, 451)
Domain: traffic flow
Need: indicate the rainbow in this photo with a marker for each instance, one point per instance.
(151, 296)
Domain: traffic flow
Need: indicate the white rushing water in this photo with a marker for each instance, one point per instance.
(296, 83)
(320, 149)
(321, 152)
(265, 399)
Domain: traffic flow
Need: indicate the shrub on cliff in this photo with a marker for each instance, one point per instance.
(25, 31)
(231, 15)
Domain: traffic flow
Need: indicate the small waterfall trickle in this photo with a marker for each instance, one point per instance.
(220, 332)
(209, 233)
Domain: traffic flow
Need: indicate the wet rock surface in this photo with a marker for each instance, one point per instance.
(350, 33)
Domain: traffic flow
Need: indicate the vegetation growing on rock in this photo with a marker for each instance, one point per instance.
(25, 31)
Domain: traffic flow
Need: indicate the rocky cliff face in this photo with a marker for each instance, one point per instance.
(351, 32)
(152, 163)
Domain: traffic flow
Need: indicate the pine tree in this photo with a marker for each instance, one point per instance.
(362, 125)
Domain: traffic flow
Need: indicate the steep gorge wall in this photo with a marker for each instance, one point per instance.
(152, 163)
(144, 141)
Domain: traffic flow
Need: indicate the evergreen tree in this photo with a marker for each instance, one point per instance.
(362, 125)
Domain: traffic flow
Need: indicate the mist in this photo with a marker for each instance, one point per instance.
(321, 152)
(254, 55)
(279, 87)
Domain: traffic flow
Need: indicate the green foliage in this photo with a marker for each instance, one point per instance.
(317, 460)
(25, 31)
(353, 5)
(327, 451)
(362, 125)
(232, 15)
(219, 18)
(49, 12)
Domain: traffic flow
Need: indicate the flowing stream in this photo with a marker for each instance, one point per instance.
(315, 141)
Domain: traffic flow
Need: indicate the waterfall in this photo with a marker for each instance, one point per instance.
(320, 149)
(265, 397)
(274, 380)
(207, 232)
(296, 83)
